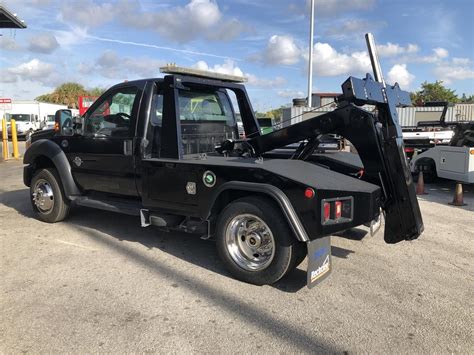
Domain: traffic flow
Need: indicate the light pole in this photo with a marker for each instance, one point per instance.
(310, 62)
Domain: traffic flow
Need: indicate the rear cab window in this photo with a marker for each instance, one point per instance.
(206, 119)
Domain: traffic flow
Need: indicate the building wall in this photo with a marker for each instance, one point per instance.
(460, 112)
(41, 109)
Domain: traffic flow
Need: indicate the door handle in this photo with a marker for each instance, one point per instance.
(127, 147)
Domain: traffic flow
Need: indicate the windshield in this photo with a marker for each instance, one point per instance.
(20, 117)
(50, 118)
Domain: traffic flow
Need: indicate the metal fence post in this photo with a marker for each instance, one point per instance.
(16, 155)
(5, 139)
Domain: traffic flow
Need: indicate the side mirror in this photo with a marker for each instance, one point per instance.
(63, 122)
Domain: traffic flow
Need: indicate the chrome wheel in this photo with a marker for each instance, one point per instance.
(250, 242)
(43, 196)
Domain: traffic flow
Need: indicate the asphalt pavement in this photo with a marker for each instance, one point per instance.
(98, 282)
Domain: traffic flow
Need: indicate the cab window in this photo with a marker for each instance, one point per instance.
(206, 119)
(112, 116)
(156, 123)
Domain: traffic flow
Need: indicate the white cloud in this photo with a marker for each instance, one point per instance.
(449, 72)
(281, 50)
(253, 80)
(6, 77)
(199, 18)
(394, 49)
(76, 35)
(354, 28)
(229, 67)
(9, 43)
(438, 55)
(327, 61)
(400, 74)
(461, 61)
(112, 66)
(331, 7)
(34, 69)
(43, 43)
(290, 94)
(441, 52)
(227, 30)
(87, 12)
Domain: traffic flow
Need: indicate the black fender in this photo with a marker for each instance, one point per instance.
(49, 149)
(272, 192)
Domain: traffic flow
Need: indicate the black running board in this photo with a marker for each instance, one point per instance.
(131, 208)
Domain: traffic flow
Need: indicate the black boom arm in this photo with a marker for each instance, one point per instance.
(378, 140)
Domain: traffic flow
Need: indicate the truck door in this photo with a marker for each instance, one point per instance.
(203, 119)
(101, 158)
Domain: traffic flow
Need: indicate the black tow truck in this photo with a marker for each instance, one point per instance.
(167, 150)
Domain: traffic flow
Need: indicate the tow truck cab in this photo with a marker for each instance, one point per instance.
(168, 150)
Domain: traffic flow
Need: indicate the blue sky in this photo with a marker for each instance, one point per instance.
(100, 43)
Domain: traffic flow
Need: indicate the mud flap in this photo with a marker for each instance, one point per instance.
(319, 260)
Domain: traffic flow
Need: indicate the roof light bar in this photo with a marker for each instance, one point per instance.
(174, 69)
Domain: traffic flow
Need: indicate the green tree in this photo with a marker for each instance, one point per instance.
(276, 114)
(97, 91)
(68, 94)
(467, 99)
(433, 92)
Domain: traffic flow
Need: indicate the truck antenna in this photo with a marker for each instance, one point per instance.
(374, 58)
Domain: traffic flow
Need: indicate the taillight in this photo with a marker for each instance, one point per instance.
(337, 210)
(326, 212)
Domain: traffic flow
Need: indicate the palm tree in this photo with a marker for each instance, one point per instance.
(68, 94)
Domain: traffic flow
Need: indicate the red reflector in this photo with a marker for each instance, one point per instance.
(309, 193)
(409, 150)
(327, 211)
(338, 205)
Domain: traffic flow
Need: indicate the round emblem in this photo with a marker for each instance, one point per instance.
(209, 178)
(64, 143)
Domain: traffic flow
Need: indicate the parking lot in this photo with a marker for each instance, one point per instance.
(98, 282)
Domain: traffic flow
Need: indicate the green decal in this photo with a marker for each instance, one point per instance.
(209, 178)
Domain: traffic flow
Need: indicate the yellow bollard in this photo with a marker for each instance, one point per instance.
(16, 155)
(5, 139)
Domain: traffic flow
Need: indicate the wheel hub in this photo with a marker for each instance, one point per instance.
(250, 242)
(43, 196)
(254, 240)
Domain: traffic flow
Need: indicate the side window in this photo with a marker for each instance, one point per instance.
(157, 109)
(156, 121)
(206, 119)
(112, 118)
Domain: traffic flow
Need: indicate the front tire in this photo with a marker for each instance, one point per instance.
(47, 196)
(255, 242)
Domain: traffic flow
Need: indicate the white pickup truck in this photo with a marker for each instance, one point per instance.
(26, 123)
(454, 161)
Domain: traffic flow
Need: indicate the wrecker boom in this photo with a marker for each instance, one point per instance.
(377, 138)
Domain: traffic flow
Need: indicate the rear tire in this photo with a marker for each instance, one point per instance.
(255, 242)
(47, 196)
